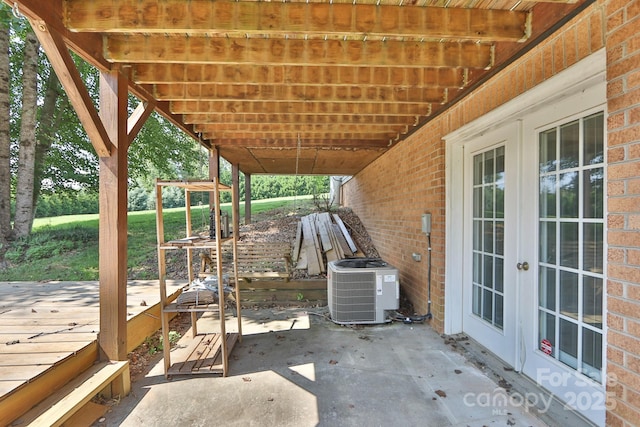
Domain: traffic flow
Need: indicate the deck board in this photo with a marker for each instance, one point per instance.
(42, 324)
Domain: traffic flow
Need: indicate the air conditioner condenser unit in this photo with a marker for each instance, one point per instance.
(361, 290)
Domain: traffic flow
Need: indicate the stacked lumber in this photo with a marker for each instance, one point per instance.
(321, 238)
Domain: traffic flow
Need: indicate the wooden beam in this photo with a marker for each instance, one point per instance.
(73, 84)
(150, 48)
(292, 143)
(295, 92)
(300, 107)
(300, 74)
(324, 135)
(292, 128)
(138, 119)
(298, 119)
(113, 219)
(285, 18)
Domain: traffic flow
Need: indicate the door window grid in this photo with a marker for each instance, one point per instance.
(488, 236)
(571, 230)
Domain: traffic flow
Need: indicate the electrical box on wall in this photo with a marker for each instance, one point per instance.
(426, 223)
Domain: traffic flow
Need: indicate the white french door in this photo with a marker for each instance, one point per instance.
(490, 208)
(564, 323)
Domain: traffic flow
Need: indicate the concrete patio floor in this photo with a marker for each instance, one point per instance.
(295, 367)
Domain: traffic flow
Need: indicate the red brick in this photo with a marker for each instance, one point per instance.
(634, 151)
(615, 121)
(633, 10)
(615, 222)
(614, 54)
(633, 328)
(612, 420)
(583, 39)
(629, 274)
(624, 308)
(615, 322)
(616, 256)
(570, 47)
(547, 62)
(633, 186)
(629, 239)
(616, 154)
(634, 115)
(633, 257)
(615, 355)
(624, 170)
(597, 34)
(558, 55)
(624, 204)
(633, 222)
(615, 88)
(633, 45)
(615, 289)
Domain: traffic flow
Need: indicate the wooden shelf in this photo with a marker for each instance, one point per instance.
(203, 356)
(191, 308)
(209, 352)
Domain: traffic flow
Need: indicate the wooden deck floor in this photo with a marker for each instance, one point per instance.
(42, 324)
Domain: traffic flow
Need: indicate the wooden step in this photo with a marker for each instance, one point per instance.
(64, 403)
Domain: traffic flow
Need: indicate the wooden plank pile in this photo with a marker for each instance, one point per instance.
(322, 237)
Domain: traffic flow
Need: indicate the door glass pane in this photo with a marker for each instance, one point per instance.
(488, 236)
(568, 343)
(477, 235)
(571, 230)
(570, 145)
(569, 294)
(547, 328)
(489, 175)
(547, 288)
(569, 244)
(569, 195)
(593, 193)
(592, 301)
(548, 155)
(594, 139)
(592, 354)
(593, 247)
(548, 242)
(548, 196)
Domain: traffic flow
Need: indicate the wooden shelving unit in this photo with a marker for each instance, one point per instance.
(208, 352)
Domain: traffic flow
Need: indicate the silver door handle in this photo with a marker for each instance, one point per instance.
(522, 266)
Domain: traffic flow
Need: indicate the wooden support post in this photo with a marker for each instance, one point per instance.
(214, 171)
(235, 197)
(247, 199)
(113, 218)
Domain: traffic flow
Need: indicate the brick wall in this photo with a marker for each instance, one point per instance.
(622, 26)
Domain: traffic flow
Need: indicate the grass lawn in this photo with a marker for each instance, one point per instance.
(66, 247)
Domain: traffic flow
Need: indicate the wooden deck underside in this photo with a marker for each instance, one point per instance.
(44, 324)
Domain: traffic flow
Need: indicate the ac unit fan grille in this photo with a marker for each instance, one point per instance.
(354, 297)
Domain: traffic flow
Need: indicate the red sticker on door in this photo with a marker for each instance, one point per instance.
(545, 346)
